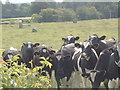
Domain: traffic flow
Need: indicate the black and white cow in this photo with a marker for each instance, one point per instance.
(106, 69)
(27, 53)
(67, 63)
(98, 43)
(86, 60)
(70, 39)
(42, 52)
(9, 54)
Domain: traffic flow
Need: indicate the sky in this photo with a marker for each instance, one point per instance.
(24, 1)
(27, 1)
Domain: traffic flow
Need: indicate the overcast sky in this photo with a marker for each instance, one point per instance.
(24, 1)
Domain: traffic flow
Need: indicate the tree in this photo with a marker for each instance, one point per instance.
(36, 7)
(61, 14)
(65, 14)
(87, 12)
(49, 15)
(108, 9)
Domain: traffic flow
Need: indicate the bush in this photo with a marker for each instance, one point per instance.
(36, 18)
(18, 76)
(54, 15)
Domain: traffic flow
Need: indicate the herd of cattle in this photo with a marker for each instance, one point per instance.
(95, 59)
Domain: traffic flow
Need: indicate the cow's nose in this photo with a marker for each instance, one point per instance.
(59, 57)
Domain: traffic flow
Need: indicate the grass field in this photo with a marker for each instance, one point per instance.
(51, 33)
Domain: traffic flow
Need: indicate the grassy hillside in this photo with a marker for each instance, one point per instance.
(51, 33)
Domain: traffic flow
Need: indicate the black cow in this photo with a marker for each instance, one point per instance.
(70, 39)
(106, 69)
(27, 53)
(67, 63)
(42, 52)
(9, 54)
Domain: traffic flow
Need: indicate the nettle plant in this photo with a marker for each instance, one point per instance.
(18, 76)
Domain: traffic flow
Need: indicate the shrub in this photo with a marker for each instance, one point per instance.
(18, 76)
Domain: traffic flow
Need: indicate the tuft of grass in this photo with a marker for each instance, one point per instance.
(51, 33)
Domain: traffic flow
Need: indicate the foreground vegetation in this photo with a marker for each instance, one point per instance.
(52, 33)
(18, 76)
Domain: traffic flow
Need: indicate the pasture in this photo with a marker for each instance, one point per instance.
(51, 33)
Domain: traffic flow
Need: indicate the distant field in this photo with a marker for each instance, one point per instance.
(16, 18)
(51, 33)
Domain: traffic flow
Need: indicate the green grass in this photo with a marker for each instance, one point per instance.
(15, 18)
(51, 33)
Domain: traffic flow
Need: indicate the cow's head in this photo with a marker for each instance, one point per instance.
(88, 51)
(70, 39)
(28, 44)
(94, 39)
(44, 51)
(9, 56)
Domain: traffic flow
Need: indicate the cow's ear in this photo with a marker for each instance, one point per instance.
(102, 37)
(36, 44)
(52, 51)
(95, 46)
(63, 39)
(77, 38)
(77, 45)
(24, 43)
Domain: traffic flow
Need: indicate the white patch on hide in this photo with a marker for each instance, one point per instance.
(13, 49)
(44, 50)
(69, 37)
(92, 75)
(10, 56)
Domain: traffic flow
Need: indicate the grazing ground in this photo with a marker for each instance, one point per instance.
(51, 33)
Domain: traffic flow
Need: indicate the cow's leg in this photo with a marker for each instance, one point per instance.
(117, 83)
(106, 84)
(76, 80)
(111, 84)
(84, 82)
(63, 83)
(58, 80)
(68, 80)
(52, 80)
